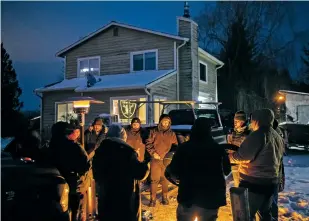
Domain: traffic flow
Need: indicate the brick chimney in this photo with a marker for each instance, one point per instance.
(188, 57)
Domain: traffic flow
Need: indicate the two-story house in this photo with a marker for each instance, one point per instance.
(132, 63)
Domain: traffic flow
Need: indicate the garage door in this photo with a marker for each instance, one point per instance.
(303, 114)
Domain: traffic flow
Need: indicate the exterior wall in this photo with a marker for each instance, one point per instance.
(115, 51)
(188, 61)
(49, 99)
(210, 87)
(292, 103)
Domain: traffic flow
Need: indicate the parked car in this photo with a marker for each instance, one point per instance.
(297, 135)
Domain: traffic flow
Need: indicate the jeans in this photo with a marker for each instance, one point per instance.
(190, 213)
(157, 170)
(260, 206)
(274, 207)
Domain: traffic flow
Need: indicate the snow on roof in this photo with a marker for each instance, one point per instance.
(112, 82)
(176, 37)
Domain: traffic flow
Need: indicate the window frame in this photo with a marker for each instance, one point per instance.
(143, 53)
(87, 58)
(206, 72)
(154, 99)
(133, 97)
(56, 109)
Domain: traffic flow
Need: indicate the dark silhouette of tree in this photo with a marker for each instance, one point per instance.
(10, 93)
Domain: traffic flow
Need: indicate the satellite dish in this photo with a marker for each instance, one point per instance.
(91, 80)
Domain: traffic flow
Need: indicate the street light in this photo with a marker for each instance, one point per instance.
(81, 106)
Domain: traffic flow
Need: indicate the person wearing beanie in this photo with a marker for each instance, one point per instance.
(199, 166)
(237, 136)
(94, 137)
(158, 144)
(259, 158)
(135, 135)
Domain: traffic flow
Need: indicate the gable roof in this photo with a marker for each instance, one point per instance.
(176, 37)
(135, 80)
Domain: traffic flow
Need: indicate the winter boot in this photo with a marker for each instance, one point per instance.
(165, 200)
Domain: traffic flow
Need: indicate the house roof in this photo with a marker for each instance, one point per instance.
(210, 57)
(292, 92)
(176, 37)
(136, 80)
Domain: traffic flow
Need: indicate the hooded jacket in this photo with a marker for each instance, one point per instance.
(116, 170)
(160, 139)
(135, 140)
(200, 165)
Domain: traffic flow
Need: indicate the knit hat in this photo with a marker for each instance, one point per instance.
(240, 115)
(135, 120)
(98, 121)
(164, 116)
(201, 129)
(264, 117)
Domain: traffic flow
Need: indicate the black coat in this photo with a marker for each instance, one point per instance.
(199, 168)
(93, 140)
(116, 170)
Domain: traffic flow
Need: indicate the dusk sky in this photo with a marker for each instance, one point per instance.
(32, 32)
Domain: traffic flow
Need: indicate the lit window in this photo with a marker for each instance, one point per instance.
(203, 72)
(158, 108)
(144, 61)
(88, 65)
(128, 110)
(64, 112)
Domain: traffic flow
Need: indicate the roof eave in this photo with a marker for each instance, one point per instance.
(210, 57)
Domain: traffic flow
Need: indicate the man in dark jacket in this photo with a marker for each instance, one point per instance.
(199, 166)
(94, 137)
(259, 157)
(135, 138)
(72, 162)
(158, 144)
(238, 135)
(117, 171)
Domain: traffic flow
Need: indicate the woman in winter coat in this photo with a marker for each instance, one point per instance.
(116, 170)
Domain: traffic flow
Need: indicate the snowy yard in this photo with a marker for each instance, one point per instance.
(293, 202)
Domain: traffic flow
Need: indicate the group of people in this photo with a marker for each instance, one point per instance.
(120, 158)
(200, 164)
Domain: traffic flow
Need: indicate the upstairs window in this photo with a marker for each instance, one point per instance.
(144, 60)
(203, 72)
(88, 65)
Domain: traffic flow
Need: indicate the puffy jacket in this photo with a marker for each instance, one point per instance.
(135, 140)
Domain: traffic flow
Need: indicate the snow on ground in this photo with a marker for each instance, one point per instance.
(293, 201)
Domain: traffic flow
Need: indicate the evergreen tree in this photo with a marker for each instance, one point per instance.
(10, 93)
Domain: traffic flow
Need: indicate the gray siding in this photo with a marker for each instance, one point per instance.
(211, 86)
(115, 51)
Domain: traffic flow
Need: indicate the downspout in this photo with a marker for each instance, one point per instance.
(150, 119)
(177, 60)
(41, 108)
(217, 81)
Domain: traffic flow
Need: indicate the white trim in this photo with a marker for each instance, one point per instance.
(199, 72)
(87, 58)
(58, 54)
(187, 19)
(132, 97)
(56, 110)
(209, 57)
(143, 52)
(162, 78)
(153, 105)
(293, 92)
(175, 56)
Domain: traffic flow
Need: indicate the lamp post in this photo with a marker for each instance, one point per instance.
(81, 106)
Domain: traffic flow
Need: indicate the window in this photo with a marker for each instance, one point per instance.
(157, 108)
(88, 65)
(64, 112)
(126, 111)
(203, 72)
(144, 60)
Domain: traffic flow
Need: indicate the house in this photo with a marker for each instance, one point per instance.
(296, 106)
(132, 63)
